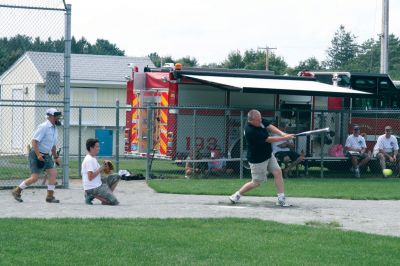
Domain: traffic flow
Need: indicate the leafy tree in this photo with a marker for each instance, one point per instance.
(234, 61)
(104, 47)
(254, 59)
(344, 48)
(14, 47)
(188, 61)
(309, 64)
(82, 46)
(158, 60)
(368, 59)
(277, 64)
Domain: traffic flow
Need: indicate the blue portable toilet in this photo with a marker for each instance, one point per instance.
(105, 137)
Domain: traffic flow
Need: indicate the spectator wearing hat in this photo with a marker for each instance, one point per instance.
(42, 156)
(387, 149)
(356, 150)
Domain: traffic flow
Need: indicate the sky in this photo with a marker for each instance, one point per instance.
(210, 29)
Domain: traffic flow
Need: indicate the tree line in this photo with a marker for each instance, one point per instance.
(14, 47)
(344, 54)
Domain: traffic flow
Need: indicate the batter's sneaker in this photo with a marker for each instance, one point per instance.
(234, 198)
(281, 201)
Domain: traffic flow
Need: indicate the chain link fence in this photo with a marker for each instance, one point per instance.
(192, 142)
(33, 75)
(209, 143)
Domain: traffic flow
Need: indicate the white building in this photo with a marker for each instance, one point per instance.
(96, 80)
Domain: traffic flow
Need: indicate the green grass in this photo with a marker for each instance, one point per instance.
(16, 167)
(360, 189)
(230, 241)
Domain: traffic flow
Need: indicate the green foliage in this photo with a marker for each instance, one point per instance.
(187, 61)
(277, 64)
(234, 61)
(228, 241)
(344, 48)
(158, 61)
(357, 189)
(309, 64)
(255, 60)
(14, 47)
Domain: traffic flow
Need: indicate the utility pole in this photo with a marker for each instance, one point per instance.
(385, 37)
(267, 49)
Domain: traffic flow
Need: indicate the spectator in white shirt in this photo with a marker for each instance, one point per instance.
(356, 150)
(387, 149)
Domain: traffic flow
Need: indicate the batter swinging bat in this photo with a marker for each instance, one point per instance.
(316, 131)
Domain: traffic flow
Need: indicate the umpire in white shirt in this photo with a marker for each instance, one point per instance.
(356, 150)
(387, 149)
(43, 155)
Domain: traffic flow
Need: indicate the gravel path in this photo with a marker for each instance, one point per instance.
(138, 200)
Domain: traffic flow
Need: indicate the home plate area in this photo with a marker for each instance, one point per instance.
(262, 204)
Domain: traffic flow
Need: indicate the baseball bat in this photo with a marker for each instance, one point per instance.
(310, 132)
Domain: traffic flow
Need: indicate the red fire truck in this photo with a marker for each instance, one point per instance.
(385, 104)
(172, 87)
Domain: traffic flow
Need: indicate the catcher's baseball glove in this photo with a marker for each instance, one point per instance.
(108, 167)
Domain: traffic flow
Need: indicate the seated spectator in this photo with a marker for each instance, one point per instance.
(284, 152)
(218, 166)
(194, 167)
(356, 150)
(387, 150)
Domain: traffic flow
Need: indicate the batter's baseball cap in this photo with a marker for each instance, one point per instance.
(388, 128)
(356, 127)
(53, 112)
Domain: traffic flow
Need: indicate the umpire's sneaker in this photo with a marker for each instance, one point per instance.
(17, 195)
(235, 197)
(52, 200)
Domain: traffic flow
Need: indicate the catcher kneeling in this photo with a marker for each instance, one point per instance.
(94, 185)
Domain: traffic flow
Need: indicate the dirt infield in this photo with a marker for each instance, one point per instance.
(138, 200)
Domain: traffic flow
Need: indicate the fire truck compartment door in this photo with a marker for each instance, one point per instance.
(278, 86)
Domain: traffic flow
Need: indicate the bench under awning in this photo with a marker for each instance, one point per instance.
(278, 86)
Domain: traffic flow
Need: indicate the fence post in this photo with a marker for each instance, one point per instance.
(194, 139)
(241, 145)
(117, 137)
(80, 142)
(322, 123)
(67, 91)
(149, 160)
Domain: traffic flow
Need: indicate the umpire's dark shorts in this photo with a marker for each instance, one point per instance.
(280, 155)
(36, 166)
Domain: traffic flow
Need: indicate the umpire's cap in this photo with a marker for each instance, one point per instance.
(53, 112)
